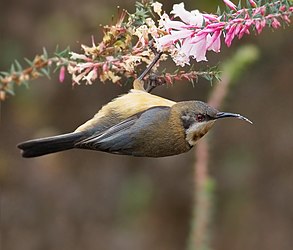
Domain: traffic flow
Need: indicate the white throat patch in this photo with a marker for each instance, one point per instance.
(198, 130)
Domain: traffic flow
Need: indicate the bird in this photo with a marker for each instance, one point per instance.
(137, 124)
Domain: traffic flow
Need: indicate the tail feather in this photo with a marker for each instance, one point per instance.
(43, 146)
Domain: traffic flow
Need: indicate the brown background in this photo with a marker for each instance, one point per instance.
(91, 200)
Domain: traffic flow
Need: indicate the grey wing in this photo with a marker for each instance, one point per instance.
(120, 138)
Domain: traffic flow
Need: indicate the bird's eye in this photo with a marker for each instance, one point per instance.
(200, 117)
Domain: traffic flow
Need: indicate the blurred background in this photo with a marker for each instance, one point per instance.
(91, 200)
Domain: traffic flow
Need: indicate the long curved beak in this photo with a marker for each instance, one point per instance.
(226, 114)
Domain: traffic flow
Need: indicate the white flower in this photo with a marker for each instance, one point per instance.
(194, 17)
(91, 76)
(157, 7)
(75, 56)
(82, 66)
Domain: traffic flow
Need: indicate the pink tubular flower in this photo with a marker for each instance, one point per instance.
(275, 23)
(189, 37)
(252, 3)
(198, 47)
(214, 42)
(231, 5)
(282, 8)
(62, 74)
(194, 33)
(211, 17)
(230, 35)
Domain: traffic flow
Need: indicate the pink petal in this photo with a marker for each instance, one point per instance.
(231, 5)
(237, 29)
(258, 27)
(180, 34)
(164, 40)
(275, 23)
(230, 35)
(186, 47)
(199, 48)
(218, 25)
(62, 74)
(214, 41)
(177, 25)
(175, 35)
(198, 38)
(252, 3)
(286, 19)
(211, 17)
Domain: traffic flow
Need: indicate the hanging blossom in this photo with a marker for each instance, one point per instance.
(187, 35)
(127, 43)
(195, 33)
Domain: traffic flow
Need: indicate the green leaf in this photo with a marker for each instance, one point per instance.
(219, 12)
(239, 5)
(12, 69)
(29, 62)
(18, 66)
(10, 89)
(4, 73)
(45, 54)
(64, 53)
(45, 72)
(192, 82)
(25, 83)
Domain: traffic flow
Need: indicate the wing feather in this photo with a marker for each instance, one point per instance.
(119, 138)
(110, 134)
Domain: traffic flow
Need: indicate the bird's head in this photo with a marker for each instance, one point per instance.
(198, 118)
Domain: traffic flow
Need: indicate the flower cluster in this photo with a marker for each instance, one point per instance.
(123, 48)
(136, 40)
(195, 33)
(38, 67)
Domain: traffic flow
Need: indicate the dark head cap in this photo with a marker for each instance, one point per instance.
(196, 107)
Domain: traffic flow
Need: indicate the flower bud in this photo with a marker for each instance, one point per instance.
(231, 5)
(252, 3)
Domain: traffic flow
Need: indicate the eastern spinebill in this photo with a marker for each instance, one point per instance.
(137, 124)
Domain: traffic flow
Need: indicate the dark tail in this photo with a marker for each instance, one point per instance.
(43, 146)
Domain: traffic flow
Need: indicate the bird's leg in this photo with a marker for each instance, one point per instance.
(153, 82)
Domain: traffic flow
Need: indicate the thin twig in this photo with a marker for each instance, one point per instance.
(203, 197)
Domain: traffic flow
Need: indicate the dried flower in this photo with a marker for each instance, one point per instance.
(2, 95)
(157, 8)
